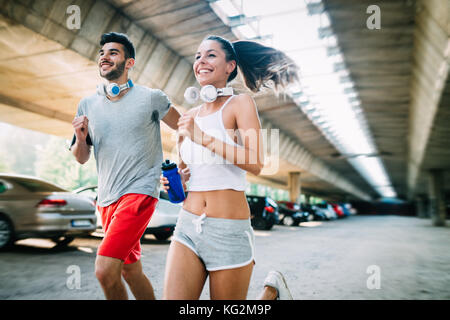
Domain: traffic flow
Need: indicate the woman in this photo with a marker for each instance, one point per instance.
(220, 141)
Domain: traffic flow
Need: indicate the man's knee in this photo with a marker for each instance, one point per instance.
(107, 272)
(131, 272)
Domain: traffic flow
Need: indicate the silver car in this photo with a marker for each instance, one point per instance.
(34, 208)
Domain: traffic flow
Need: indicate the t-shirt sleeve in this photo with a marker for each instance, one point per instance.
(160, 105)
(80, 112)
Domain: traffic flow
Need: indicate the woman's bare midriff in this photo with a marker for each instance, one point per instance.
(226, 204)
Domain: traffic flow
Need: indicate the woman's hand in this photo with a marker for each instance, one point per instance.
(188, 128)
(185, 174)
(165, 182)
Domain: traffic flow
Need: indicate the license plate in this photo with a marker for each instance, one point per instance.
(81, 223)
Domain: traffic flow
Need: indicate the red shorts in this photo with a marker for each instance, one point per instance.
(124, 223)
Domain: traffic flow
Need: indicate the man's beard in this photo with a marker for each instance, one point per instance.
(114, 73)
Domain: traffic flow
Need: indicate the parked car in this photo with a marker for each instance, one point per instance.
(351, 210)
(327, 210)
(162, 224)
(338, 209)
(34, 208)
(291, 214)
(314, 213)
(345, 209)
(264, 212)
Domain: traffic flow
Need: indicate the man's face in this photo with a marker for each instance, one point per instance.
(111, 61)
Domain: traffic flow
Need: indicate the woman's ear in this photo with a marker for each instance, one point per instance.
(230, 66)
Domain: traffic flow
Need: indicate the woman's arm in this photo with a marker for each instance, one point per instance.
(249, 156)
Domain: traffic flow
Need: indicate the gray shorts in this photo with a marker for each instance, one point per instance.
(219, 243)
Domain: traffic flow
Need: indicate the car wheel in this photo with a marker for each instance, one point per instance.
(163, 235)
(62, 241)
(6, 233)
(268, 226)
(259, 223)
(288, 221)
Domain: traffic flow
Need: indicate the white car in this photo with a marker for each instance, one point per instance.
(327, 210)
(163, 221)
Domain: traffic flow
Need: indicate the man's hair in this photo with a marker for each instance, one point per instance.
(119, 38)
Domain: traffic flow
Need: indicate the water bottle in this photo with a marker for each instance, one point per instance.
(176, 191)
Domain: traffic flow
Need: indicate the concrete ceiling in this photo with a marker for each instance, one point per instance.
(45, 69)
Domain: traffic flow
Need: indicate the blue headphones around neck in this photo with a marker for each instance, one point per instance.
(113, 89)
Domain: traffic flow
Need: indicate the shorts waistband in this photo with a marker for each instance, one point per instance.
(223, 222)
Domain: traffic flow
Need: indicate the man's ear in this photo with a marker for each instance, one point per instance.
(130, 63)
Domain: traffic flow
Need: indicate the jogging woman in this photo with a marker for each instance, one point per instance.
(220, 142)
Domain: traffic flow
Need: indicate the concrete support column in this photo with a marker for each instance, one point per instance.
(294, 186)
(436, 194)
(421, 208)
(308, 199)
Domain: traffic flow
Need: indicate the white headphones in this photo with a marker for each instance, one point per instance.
(208, 93)
(113, 89)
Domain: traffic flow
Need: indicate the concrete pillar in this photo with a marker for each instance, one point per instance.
(294, 186)
(308, 198)
(437, 200)
(421, 208)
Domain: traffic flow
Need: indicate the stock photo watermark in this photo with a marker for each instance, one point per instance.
(373, 22)
(267, 141)
(73, 281)
(73, 21)
(374, 280)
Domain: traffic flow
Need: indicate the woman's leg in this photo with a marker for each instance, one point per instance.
(231, 284)
(185, 274)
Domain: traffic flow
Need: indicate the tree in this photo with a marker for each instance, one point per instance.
(57, 164)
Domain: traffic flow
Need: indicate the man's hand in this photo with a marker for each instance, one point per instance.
(81, 150)
(80, 125)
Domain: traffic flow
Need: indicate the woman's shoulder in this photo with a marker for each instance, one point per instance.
(244, 98)
(243, 102)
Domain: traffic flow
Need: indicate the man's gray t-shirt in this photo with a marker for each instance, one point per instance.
(127, 141)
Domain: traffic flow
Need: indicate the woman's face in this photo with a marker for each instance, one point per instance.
(210, 66)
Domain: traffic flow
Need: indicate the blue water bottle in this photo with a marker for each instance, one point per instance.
(176, 191)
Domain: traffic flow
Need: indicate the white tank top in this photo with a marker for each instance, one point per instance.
(210, 171)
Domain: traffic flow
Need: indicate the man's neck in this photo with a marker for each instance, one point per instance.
(121, 80)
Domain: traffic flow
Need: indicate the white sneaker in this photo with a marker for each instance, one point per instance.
(276, 280)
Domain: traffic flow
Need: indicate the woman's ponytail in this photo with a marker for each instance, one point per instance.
(264, 66)
(261, 66)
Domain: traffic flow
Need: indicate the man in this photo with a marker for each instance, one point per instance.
(125, 133)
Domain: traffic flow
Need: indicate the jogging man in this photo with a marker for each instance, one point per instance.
(124, 130)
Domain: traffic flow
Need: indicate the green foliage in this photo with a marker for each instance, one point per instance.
(33, 153)
(57, 164)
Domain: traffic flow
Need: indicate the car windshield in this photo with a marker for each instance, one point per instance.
(90, 192)
(36, 185)
(272, 203)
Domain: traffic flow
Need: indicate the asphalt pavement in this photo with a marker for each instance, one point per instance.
(358, 257)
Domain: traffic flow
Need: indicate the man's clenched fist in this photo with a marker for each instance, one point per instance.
(80, 125)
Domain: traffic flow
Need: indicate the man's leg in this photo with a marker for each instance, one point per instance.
(109, 273)
(139, 284)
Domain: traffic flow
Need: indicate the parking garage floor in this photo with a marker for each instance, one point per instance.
(359, 257)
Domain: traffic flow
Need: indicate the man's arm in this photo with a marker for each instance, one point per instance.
(171, 118)
(81, 150)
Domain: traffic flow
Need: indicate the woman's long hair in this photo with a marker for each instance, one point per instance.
(261, 66)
